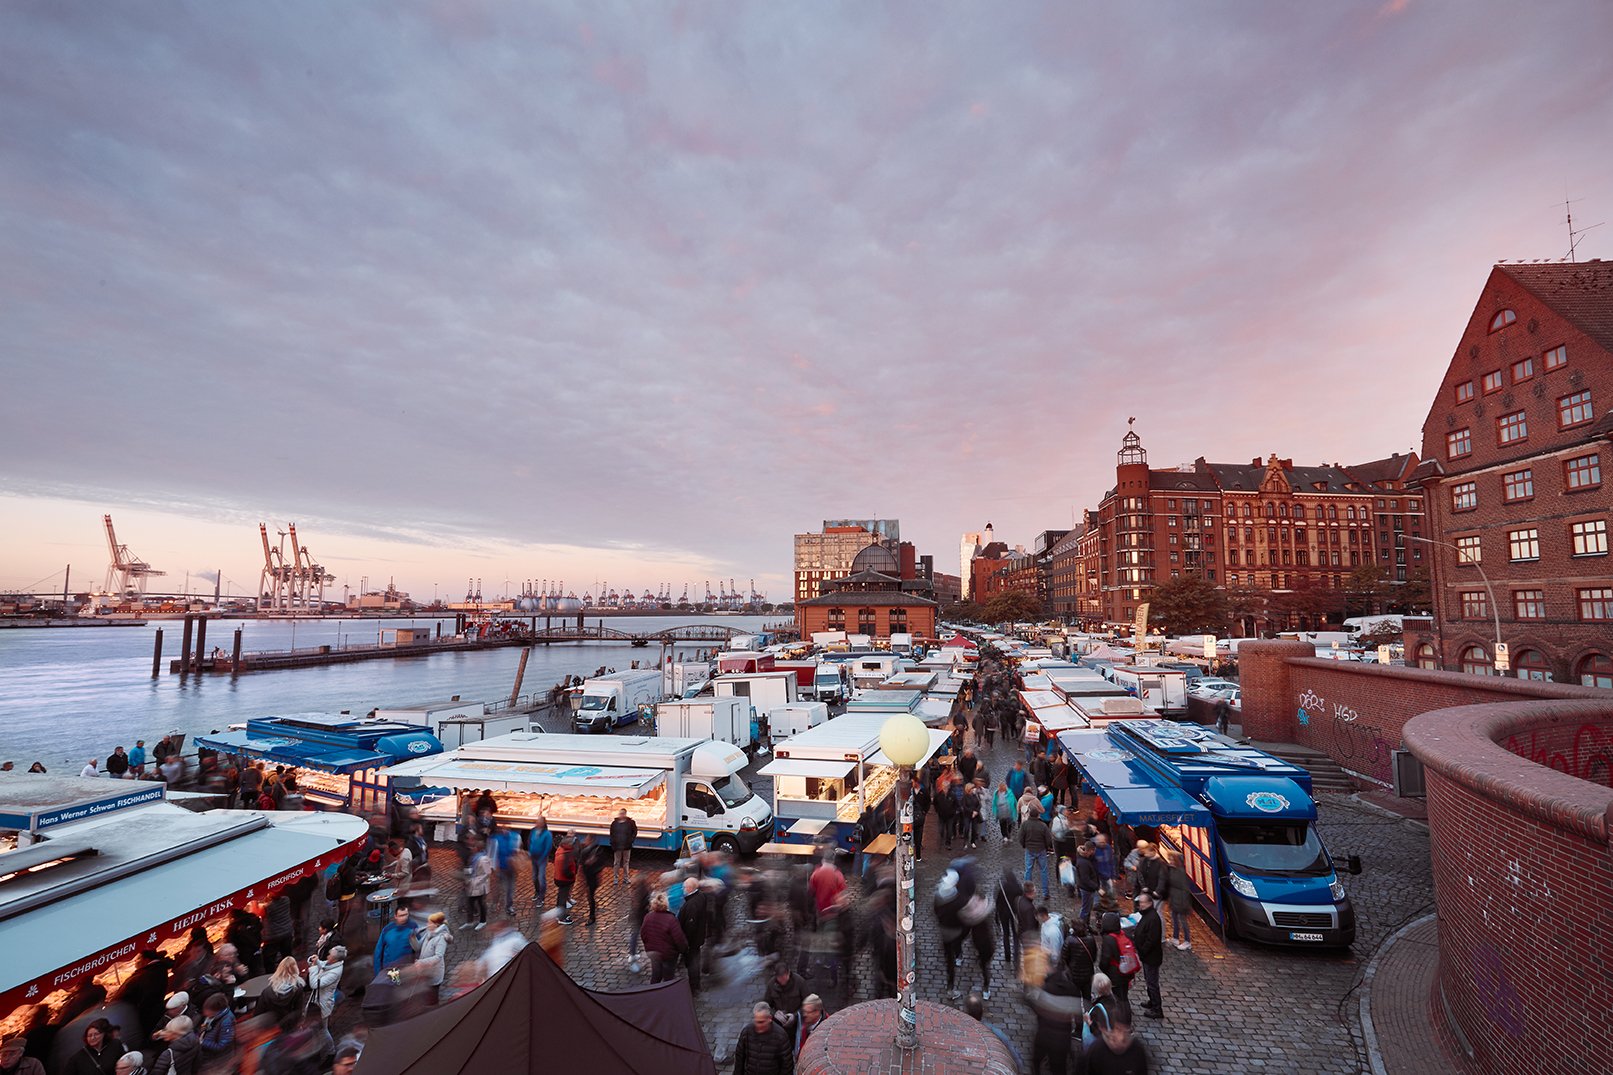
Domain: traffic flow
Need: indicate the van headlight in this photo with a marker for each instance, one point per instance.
(1242, 886)
(1337, 889)
(748, 825)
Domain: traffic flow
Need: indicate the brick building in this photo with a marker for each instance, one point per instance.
(1065, 577)
(1259, 531)
(1515, 447)
(873, 600)
(822, 557)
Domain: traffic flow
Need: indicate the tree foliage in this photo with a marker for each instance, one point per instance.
(1012, 606)
(1189, 605)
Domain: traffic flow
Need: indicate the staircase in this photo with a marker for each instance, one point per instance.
(1327, 777)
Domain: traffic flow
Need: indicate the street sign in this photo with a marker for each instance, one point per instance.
(1209, 647)
(1383, 654)
(1503, 660)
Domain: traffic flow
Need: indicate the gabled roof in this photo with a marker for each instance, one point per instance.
(866, 598)
(1581, 292)
(1396, 468)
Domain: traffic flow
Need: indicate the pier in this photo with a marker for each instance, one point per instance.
(519, 634)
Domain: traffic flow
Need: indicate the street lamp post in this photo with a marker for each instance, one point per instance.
(905, 740)
(1495, 609)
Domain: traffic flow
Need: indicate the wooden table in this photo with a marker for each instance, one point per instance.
(798, 850)
(883, 844)
(252, 988)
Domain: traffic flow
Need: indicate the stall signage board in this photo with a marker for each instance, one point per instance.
(580, 776)
(95, 962)
(38, 821)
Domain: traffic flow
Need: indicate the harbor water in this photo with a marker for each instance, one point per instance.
(69, 695)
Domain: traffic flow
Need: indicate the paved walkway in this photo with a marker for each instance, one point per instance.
(1399, 999)
(1229, 1008)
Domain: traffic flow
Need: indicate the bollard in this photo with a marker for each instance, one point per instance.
(156, 655)
(184, 649)
(201, 641)
(235, 657)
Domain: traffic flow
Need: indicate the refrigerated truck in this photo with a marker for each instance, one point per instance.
(1243, 820)
(610, 701)
(1161, 689)
(727, 720)
(827, 776)
(673, 787)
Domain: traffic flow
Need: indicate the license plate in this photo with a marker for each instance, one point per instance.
(1305, 937)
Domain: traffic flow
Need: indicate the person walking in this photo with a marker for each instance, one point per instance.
(540, 849)
(325, 978)
(1057, 1007)
(593, 858)
(565, 875)
(972, 810)
(623, 831)
(1087, 880)
(395, 946)
(639, 906)
(1017, 780)
(179, 1050)
(946, 810)
(1103, 857)
(433, 954)
(663, 939)
(478, 879)
(1114, 1050)
(763, 1047)
(693, 917)
(1149, 939)
(506, 847)
(1037, 840)
(1180, 900)
(1003, 807)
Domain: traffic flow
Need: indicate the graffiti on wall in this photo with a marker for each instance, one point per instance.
(1588, 754)
(1502, 1004)
(1352, 744)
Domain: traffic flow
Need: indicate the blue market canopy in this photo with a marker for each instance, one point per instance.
(301, 753)
(1133, 794)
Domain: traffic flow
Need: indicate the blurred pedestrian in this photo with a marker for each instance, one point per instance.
(692, 917)
(663, 939)
(763, 1047)
(1180, 901)
(433, 955)
(565, 875)
(540, 849)
(592, 859)
(623, 832)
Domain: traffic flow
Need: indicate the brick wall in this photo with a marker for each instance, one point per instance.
(1355, 713)
(1522, 876)
(862, 1040)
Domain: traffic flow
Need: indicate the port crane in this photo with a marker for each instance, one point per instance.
(126, 574)
(290, 580)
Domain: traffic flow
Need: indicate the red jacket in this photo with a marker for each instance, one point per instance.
(662, 935)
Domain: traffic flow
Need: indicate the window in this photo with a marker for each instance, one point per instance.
(1474, 606)
(1492, 381)
(1555, 359)
(1464, 496)
(1512, 428)
(1232, 578)
(1502, 319)
(1426, 657)
(1332, 511)
(1523, 370)
(1531, 664)
(1523, 544)
(1464, 392)
(1529, 604)
(1582, 472)
(1590, 537)
(1414, 504)
(1475, 662)
(837, 619)
(1596, 670)
(1596, 604)
(1299, 511)
(1518, 485)
(1458, 442)
(1468, 550)
(1574, 409)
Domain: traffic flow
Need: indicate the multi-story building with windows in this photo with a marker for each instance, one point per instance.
(1515, 447)
(822, 557)
(1257, 530)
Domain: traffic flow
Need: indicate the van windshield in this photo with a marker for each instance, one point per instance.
(1274, 848)
(733, 791)
(594, 703)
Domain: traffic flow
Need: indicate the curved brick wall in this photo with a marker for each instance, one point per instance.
(861, 1040)
(1523, 880)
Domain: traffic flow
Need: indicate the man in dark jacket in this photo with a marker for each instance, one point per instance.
(764, 1048)
(921, 808)
(1149, 937)
(1087, 880)
(1037, 840)
(623, 831)
(693, 917)
(592, 858)
(1057, 1008)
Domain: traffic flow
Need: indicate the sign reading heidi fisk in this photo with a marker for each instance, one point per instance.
(80, 811)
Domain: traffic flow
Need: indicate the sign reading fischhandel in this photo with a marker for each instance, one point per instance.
(137, 795)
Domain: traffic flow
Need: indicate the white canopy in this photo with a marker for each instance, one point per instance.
(823, 770)
(937, 738)
(469, 774)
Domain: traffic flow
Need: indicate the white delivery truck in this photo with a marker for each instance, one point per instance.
(1164, 690)
(684, 679)
(726, 720)
(672, 788)
(764, 689)
(612, 700)
(786, 720)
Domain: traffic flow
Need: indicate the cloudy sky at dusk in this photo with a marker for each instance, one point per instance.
(637, 291)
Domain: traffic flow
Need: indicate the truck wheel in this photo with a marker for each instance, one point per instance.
(726, 844)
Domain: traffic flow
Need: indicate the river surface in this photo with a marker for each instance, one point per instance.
(70, 694)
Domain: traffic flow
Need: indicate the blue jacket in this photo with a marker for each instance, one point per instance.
(505, 845)
(541, 847)
(392, 948)
(1104, 859)
(1016, 781)
(219, 1038)
(137, 756)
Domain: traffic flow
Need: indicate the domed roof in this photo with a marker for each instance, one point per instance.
(876, 557)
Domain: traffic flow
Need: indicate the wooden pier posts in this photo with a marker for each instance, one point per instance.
(235, 657)
(156, 655)
(201, 642)
(184, 649)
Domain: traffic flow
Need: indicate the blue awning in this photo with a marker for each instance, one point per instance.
(1133, 794)
(322, 757)
(1260, 797)
(1154, 806)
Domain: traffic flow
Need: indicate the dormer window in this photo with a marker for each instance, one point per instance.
(1501, 320)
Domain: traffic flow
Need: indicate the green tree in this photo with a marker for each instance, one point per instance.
(1012, 606)
(1415, 595)
(1366, 588)
(1306, 606)
(963, 612)
(1189, 605)
(1384, 634)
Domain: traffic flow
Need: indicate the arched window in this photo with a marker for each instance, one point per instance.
(1531, 664)
(1271, 511)
(1426, 657)
(1246, 511)
(1282, 509)
(1299, 511)
(1596, 670)
(1332, 511)
(1476, 662)
(1502, 319)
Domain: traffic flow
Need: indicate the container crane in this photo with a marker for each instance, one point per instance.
(126, 574)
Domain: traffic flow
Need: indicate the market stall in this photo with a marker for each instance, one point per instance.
(91, 875)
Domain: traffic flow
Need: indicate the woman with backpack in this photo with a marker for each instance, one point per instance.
(1119, 960)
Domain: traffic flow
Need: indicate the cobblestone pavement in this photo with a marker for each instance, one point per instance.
(1229, 1008)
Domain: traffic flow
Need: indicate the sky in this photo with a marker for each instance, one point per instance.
(636, 291)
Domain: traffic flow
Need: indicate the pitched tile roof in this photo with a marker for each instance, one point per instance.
(1582, 292)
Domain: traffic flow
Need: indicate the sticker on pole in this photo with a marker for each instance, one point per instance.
(1267, 802)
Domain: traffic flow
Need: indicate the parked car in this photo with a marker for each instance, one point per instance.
(1229, 693)
(1203, 684)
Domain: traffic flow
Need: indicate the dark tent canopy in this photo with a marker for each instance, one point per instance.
(530, 1017)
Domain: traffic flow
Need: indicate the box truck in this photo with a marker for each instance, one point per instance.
(616, 699)
(726, 720)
